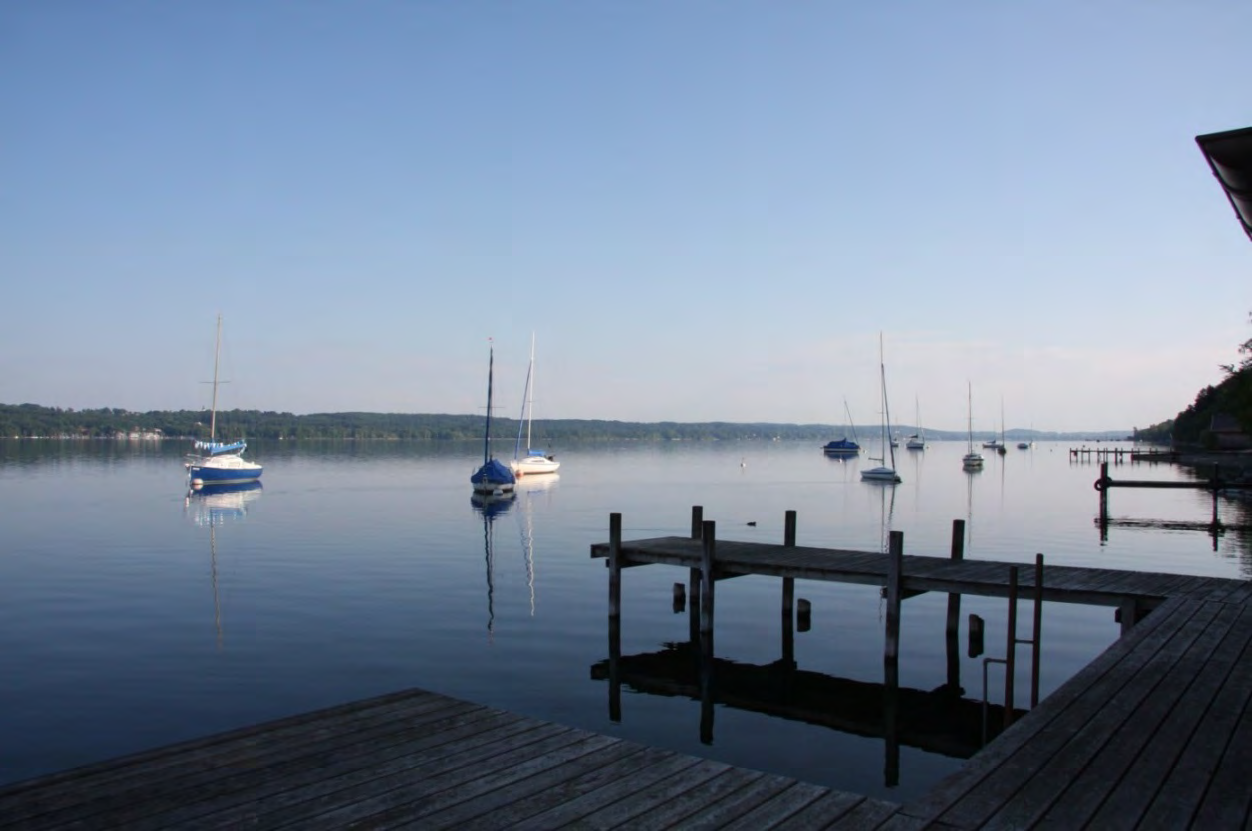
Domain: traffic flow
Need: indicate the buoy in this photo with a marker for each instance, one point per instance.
(197, 483)
(753, 524)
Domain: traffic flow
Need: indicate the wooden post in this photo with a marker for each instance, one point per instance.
(977, 628)
(804, 615)
(615, 565)
(788, 595)
(1129, 614)
(891, 723)
(615, 615)
(680, 598)
(1036, 631)
(697, 521)
(895, 568)
(952, 632)
(694, 578)
(1010, 657)
(706, 580)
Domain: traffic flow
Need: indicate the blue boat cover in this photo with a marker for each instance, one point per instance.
(843, 445)
(494, 472)
(216, 448)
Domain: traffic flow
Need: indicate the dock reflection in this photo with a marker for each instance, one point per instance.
(941, 720)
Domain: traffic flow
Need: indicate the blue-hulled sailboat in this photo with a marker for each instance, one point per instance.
(494, 477)
(213, 462)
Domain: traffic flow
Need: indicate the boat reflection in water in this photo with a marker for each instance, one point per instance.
(491, 506)
(212, 506)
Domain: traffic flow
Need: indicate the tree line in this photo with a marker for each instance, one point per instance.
(1233, 397)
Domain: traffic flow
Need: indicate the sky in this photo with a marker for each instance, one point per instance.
(701, 210)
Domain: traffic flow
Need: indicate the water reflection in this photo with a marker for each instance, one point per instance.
(490, 506)
(214, 505)
(941, 720)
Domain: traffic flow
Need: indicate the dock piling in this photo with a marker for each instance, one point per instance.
(788, 594)
(952, 636)
(707, 582)
(1036, 631)
(1010, 658)
(895, 577)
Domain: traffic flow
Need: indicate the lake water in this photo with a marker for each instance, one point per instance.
(133, 615)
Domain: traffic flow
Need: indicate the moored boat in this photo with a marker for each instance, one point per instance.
(494, 477)
(213, 462)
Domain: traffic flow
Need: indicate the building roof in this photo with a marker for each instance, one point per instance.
(1229, 154)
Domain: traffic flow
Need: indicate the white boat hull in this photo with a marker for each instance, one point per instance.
(534, 466)
(880, 474)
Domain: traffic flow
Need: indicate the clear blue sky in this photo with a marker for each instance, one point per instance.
(703, 210)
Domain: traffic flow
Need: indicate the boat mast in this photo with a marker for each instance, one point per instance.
(217, 351)
(491, 362)
(886, 409)
(530, 392)
(970, 415)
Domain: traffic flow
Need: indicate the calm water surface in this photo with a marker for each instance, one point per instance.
(134, 615)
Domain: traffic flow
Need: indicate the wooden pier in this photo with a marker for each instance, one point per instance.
(1156, 732)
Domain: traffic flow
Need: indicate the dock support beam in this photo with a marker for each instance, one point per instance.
(895, 578)
(789, 596)
(1036, 632)
(693, 579)
(615, 616)
(952, 631)
(707, 584)
(1010, 657)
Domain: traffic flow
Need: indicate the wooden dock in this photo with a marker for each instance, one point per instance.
(420, 760)
(1156, 732)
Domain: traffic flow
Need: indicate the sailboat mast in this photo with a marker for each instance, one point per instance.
(491, 362)
(217, 352)
(530, 391)
(886, 408)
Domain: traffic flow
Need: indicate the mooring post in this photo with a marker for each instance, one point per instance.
(615, 566)
(1104, 496)
(1010, 657)
(895, 577)
(1037, 630)
(707, 557)
(952, 631)
(693, 578)
(891, 723)
(615, 616)
(789, 594)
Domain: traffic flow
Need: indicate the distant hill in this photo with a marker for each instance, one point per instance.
(32, 420)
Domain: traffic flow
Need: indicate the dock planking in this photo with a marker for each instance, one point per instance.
(422, 760)
(989, 578)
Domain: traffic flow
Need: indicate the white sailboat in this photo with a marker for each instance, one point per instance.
(972, 460)
(213, 462)
(535, 461)
(883, 473)
(917, 441)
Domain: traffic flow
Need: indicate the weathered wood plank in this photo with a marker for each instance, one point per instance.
(821, 812)
(675, 811)
(232, 767)
(777, 810)
(1094, 758)
(1022, 786)
(1156, 629)
(736, 803)
(514, 797)
(625, 812)
(1125, 805)
(116, 772)
(311, 792)
(871, 813)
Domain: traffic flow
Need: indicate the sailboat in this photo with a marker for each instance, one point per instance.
(1003, 447)
(883, 473)
(972, 460)
(917, 441)
(215, 463)
(844, 446)
(494, 477)
(535, 461)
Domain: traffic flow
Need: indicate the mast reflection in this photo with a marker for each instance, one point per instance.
(212, 506)
(490, 506)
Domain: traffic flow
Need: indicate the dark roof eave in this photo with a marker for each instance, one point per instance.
(1229, 155)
